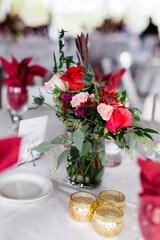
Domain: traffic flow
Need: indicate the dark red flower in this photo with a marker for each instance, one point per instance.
(20, 74)
(90, 104)
(66, 106)
(120, 118)
(74, 78)
(80, 111)
(109, 99)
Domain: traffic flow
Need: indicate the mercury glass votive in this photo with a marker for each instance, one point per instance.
(112, 197)
(108, 220)
(81, 206)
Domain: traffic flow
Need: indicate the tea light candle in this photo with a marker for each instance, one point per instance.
(81, 206)
(108, 220)
(111, 197)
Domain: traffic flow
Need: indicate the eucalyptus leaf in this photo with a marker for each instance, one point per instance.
(130, 139)
(62, 158)
(120, 141)
(43, 147)
(60, 139)
(136, 124)
(84, 128)
(78, 138)
(85, 148)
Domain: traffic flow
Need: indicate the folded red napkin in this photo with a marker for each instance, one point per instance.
(9, 152)
(112, 78)
(20, 74)
(150, 176)
(149, 210)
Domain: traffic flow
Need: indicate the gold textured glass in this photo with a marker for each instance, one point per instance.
(81, 206)
(108, 220)
(114, 198)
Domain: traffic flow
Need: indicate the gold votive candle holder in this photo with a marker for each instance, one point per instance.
(108, 220)
(81, 206)
(114, 198)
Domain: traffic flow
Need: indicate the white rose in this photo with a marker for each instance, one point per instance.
(56, 81)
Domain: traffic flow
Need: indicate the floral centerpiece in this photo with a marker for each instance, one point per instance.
(92, 111)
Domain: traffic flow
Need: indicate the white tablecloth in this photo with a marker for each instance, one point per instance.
(48, 219)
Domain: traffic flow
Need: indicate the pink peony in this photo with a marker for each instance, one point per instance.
(79, 98)
(56, 81)
(105, 111)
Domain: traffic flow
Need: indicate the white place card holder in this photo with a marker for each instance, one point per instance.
(32, 130)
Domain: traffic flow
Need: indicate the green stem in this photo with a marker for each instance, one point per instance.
(81, 170)
(96, 91)
(87, 168)
(50, 106)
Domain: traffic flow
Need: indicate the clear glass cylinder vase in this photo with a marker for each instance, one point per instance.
(86, 171)
(113, 154)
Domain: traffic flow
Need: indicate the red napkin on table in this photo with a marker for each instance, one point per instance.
(9, 152)
(149, 211)
(20, 74)
(150, 176)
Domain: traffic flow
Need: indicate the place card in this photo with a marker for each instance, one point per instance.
(32, 130)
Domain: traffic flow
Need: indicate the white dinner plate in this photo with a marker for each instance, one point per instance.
(24, 186)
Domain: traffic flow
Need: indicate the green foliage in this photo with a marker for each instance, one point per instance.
(123, 96)
(85, 148)
(62, 158)
(68, 60)
(43, 147)
(134, 114)
(60, 139)
(78, 138)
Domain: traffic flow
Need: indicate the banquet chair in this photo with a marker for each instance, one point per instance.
(107, 65)
(1, 77)
(129, 86)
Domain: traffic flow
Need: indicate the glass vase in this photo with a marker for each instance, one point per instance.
(113, 154)
(149, 220)
(86, 171)
(17, 104)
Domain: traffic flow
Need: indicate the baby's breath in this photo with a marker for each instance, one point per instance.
(147, 143)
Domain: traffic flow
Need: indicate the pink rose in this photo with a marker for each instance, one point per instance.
(105, 111)
(79, 98)
(121, 118)
(56, 81)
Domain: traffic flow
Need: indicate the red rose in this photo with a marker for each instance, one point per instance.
(66, 106)
(121, 118)
(74, 78)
